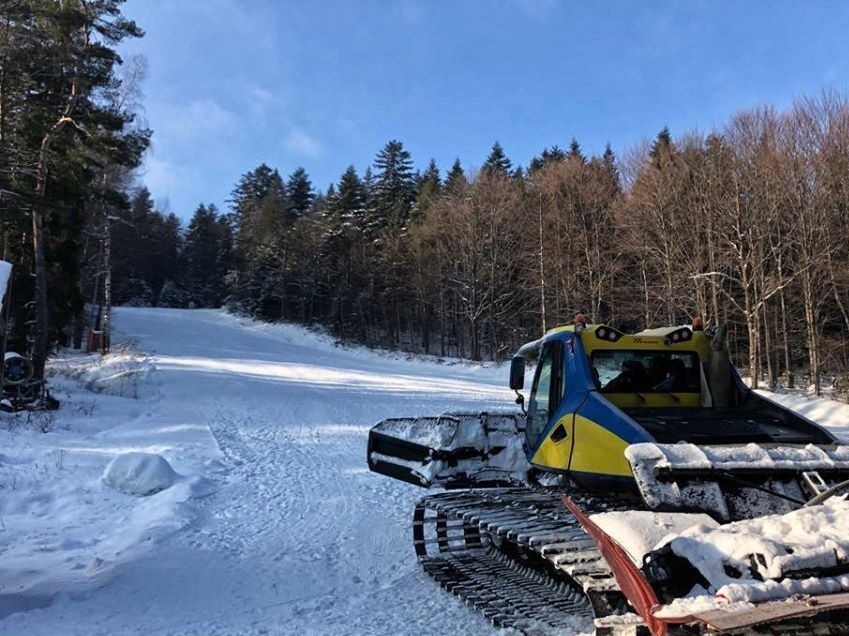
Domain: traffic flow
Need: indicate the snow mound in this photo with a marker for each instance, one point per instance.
(139, 474)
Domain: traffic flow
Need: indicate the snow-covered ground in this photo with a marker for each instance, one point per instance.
(269, 522)
(274, 525)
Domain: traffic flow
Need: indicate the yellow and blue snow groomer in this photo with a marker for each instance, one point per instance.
(596, 391)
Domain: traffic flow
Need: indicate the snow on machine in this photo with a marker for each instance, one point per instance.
(647, 488)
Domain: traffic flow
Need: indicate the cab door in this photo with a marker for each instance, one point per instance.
(548, 430)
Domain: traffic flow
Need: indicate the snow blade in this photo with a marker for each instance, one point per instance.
(453, 450)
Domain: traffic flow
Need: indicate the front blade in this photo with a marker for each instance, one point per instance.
(454, 450)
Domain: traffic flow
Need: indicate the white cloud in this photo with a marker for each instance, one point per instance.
(261, 101)
(165, 178)
(200, 118)
(299, 142)
(160, 176)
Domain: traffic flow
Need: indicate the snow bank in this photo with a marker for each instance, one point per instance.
(140, 474)
(832, 414)
(318, 339)
(122, 373)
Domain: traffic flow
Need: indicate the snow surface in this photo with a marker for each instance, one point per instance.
(276, 525)
(639, 532)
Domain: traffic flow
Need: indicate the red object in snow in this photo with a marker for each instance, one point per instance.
(95, 338)
(631, 581)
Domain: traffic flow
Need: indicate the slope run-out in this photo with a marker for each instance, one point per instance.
(298, 536)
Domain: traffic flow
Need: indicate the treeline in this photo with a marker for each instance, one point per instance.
(745, 225)
(68, 145)
(157, 262)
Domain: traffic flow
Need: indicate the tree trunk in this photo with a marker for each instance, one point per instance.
(541, 272)
(39, 330)
(785, 337)
(106, 335)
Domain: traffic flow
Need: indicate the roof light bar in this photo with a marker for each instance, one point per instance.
(679, 335)
(609, 334)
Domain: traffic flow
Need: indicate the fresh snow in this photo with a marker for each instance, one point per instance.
(638, 532)
(272, 523)
(275, 524)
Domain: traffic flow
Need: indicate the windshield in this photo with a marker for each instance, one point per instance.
(624, 371)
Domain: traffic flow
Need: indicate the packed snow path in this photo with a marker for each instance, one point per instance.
(296, 537)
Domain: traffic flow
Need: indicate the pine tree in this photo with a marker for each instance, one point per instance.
(394, 189)
(349, 201)
(608, 162)
(171, 295)
(456, 177)
(430, 187)
(145, 247)
(575, 151)
(661, 146)
(62, 133)
(300, 193)
(262, 215)
(204, 258)
(497, 163)
(547, 157)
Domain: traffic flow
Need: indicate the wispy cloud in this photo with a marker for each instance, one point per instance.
(199, 118)
(262, 101)
(300, 142)
(163, 176)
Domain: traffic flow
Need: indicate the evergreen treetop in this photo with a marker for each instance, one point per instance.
(497, 162)
(300, 192)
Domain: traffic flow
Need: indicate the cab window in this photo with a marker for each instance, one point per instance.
(622, 371)
(546, 391)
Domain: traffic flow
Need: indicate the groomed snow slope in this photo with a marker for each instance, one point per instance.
(273, 524)
(293, 535)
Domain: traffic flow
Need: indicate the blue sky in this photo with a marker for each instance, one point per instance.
(233, 83)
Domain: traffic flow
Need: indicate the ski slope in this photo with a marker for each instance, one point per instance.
(276, 527)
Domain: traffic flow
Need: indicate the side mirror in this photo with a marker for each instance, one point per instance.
(517, 373)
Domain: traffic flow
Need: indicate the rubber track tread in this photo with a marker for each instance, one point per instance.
(565, 578)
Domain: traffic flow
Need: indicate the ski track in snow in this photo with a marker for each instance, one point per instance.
(298, 536)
